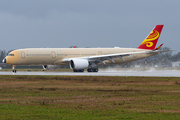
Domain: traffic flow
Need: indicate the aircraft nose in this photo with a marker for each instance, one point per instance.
(4, 60)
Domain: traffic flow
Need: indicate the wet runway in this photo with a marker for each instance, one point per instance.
(159, 73)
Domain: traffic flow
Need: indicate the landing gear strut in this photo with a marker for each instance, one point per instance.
(92, 69)
(14, 70)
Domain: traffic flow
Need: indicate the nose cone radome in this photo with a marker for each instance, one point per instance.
(4, 60)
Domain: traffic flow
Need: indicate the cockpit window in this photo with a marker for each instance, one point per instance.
(10, 54)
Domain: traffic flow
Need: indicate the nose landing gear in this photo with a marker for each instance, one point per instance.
(13, 67)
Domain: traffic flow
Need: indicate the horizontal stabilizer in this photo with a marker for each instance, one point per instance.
(158, 47)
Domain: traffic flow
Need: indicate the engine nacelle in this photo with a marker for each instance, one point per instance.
(78, 64)
(50, 67)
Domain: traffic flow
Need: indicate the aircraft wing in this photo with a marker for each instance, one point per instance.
(100, 58)
(94, 60)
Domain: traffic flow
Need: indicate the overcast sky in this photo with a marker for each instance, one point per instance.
(87, 23)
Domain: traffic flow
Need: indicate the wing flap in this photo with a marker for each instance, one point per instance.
(101, 58)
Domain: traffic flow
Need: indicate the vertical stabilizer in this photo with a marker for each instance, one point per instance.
(151, 41)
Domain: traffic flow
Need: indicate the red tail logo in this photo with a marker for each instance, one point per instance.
(151, 41)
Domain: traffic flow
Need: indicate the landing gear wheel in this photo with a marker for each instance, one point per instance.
(92, 69)
(13, 67)
(95, 69)
(74, 70)
(14, 71)
(82, 70)
(89, 70)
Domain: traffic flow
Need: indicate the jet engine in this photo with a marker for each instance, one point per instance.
(78, 64)
(50, 67)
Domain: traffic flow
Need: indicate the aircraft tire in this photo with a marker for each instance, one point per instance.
(14, 71)
(74, 70)
(95, 69)
(89, 70)
(81, 70)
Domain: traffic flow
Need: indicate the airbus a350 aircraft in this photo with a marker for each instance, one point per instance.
(84, 58)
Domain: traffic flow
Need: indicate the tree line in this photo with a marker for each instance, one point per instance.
(3, 54)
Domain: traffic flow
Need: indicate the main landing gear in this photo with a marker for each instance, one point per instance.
(13, 69)
(74, 70)
(88, 70)
(92, 69)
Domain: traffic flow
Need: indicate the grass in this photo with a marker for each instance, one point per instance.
(89, 97)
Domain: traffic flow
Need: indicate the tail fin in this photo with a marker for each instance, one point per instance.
(151, 41)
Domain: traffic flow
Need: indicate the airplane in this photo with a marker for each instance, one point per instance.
(84, 58)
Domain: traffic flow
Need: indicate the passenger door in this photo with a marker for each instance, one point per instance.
(100, 52)
(22, 55)
(53, 54)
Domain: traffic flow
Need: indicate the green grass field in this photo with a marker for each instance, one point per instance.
(88, 97)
